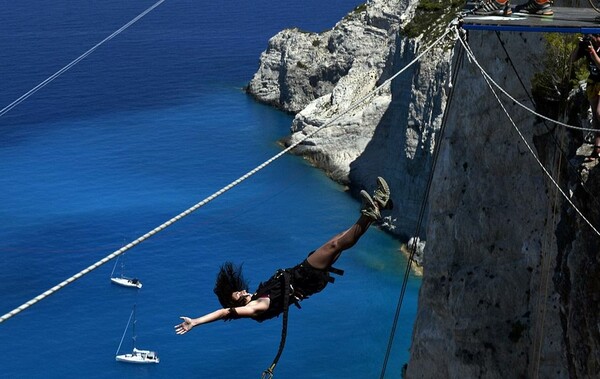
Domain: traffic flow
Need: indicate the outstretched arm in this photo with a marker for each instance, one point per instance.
(189, 323)
(252, 308)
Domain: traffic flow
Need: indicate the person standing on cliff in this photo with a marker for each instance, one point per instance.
(309, 277)
(589, 47)
(502, 8)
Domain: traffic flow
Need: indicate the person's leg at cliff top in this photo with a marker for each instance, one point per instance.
(494, 8)
(538, 7)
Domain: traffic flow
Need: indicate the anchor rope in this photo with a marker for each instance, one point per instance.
(529, 148)
(517, 102)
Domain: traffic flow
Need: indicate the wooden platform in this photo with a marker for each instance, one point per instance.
(564, 20)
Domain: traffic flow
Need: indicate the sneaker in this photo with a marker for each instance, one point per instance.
(533, 7)
(493, 8)
(382, 194)
(369, 208)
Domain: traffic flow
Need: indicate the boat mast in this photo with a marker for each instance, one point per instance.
(134, 322)
(115, 266)
(125, 332)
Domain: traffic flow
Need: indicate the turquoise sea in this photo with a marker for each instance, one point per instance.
(152, 122)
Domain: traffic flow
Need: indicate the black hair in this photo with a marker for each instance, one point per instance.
(230, 280)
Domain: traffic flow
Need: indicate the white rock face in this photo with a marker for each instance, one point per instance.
(487, 306)
(323, 78)
(299, 67)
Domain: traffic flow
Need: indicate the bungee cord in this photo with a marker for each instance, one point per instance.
(424, 201)
(58, 73)
(489, 83)
(218, 193)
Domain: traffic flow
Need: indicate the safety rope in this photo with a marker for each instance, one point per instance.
(489, 78)
(544, 279)
(413, 247)
(163, 226)
(77, 60)
(489, 83)
(285, 281)
(542, 303)
(558, 144)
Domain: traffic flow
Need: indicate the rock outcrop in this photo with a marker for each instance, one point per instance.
(320, 76)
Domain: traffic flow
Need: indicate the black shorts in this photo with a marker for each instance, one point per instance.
(308, 280)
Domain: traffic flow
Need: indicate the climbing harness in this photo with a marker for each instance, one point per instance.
(283, 281)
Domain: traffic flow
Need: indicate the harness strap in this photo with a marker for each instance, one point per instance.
(336, 271)
(285, 280)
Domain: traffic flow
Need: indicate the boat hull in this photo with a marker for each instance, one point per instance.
(139, 357)
(127, 282)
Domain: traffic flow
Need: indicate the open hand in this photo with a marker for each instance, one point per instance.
(185, 326)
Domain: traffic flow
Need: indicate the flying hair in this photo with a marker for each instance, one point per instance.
(229, 280)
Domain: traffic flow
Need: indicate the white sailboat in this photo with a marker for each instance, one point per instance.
(137, 355)
(123, 280)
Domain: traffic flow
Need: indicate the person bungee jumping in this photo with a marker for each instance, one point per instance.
(292, 285)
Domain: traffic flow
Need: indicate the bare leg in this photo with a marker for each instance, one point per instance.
(327, 254)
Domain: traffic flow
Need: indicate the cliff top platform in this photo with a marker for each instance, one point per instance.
(564, 20)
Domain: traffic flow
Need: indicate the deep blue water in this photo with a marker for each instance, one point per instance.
(148, 125)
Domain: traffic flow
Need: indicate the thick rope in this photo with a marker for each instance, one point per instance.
(489, 83)
(544, 279)
(77, 60)
(214, 195)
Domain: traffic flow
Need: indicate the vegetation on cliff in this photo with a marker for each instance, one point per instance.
(431, 16)
(552, 85)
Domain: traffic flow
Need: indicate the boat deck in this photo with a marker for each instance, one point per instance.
(564, 20)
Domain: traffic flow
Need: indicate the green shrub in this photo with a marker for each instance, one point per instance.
(553, 84)
(431, 14)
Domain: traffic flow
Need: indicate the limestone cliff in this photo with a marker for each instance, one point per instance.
(511, 284)
(317, 76)
(486, 296)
